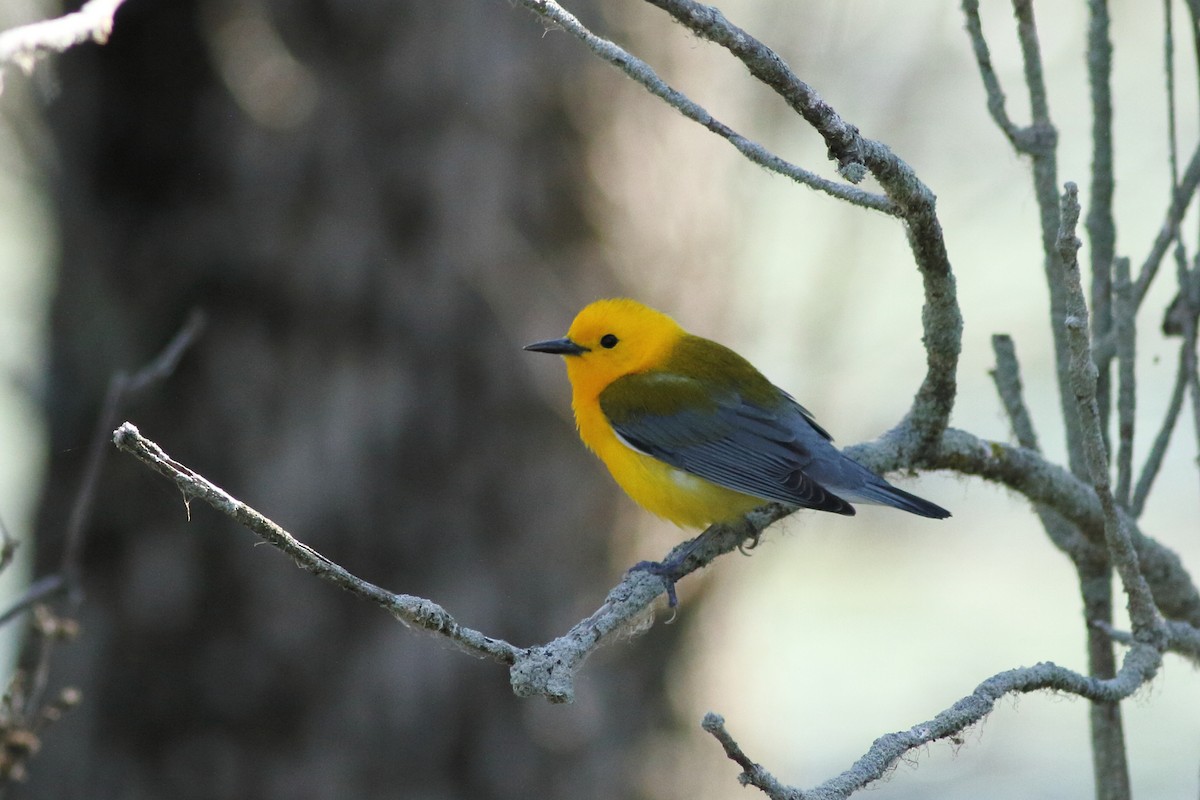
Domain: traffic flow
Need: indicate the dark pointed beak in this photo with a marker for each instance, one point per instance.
(561, 347)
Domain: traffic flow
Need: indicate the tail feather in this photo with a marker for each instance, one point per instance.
(884, 494)
(915, 505)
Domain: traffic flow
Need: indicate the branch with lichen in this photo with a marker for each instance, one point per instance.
(641, 72)
(548, 669)
(1139, 666)
(25, 45)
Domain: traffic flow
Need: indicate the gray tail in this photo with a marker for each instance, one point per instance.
(884, 494)
(898, 498)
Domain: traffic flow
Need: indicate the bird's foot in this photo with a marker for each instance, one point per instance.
(667, 570)
(754, 536)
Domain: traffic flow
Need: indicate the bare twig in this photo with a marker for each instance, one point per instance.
(120, 387)
(846, 146)
(1183, 639)
(413, 610)
(39, 591)
(1039, 141)
(1031, 54)
(23, 46)
(1181, 198)
(1007, 377)
(1142, 610)
(1101, 229)
(1139, 666)
(1018, 136)
(1109, 761)
(1124, 315)
(1158, 450)
(1169, 73)
(1045, 179)
(644, 74)
(753, 774)
(547, 669)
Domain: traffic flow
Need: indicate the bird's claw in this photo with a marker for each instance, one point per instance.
(754, 536)
(666, 571)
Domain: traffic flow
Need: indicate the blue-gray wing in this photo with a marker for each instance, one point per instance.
(726, 438)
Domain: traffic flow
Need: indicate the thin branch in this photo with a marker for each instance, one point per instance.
(846, 146)
(1017, 135)
(23, 46)
(24, 718)
(39, 591)
(120, 387)
(1181, 198)
(412, 610)
(1007, 377)
(1124, 315)
(753, 774)
(1183, 639)
(1193, 7)
(1169, 72)
(1031, 56)
(644, 74)
(1158, 450)
(1045, 178)
(1142, 611)
(1040, 137)
(1039, 141)
(1139, 665)
(1101, 228)
(1110, 764)
(1095, 573)
(548, 669)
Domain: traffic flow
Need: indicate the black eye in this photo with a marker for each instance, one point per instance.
(608, 341)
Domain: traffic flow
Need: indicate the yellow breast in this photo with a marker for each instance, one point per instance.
(682, 498)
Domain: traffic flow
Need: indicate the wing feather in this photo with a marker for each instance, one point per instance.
(722, 436)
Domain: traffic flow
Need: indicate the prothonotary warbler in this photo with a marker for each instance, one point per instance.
(693, 432)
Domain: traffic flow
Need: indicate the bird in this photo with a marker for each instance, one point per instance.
(694, 433)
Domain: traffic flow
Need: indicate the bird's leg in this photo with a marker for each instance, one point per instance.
(669, 570)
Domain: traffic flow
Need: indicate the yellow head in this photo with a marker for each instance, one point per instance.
(610, 339)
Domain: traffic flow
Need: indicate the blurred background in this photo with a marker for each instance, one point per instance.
(377, 204)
